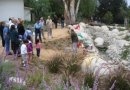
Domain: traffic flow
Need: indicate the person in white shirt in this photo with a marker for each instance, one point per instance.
(42, 27)
(24, 52)
(49, 26)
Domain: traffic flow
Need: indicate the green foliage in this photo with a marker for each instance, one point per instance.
(121, 82)
(87, 8)
(89, 80)
(55, 64)
(18, 87)
(125, 53)
(35, 79)
(108, 18)
(6, 70)
(118, 8)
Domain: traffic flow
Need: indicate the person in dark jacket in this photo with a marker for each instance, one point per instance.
(62, 21)
(21, 29)
(1, 32)
(14, 39)
(74, 39)
(55, 20)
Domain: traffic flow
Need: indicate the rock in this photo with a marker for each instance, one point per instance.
(115, 31)
(99, 41)
(105, 28)
(82, 24)
(17, 80)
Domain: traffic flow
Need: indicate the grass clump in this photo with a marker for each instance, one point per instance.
(35, 79)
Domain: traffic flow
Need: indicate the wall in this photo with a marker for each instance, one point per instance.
(11, 8)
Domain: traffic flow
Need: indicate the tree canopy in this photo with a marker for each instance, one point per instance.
(86, 9)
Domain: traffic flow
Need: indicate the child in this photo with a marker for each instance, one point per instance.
(29, 48)
(24, 52)
(38, 47)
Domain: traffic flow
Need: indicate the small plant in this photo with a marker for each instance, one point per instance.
(6, 70)
(121, 78)
(55, 64)
(35, 79)
(18, 87)
(88, 80)
(125, 53)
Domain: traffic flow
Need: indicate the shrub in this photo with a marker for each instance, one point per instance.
(122, 81)
(89, 80)
(55, 64)
(6, 70)
(35, 79)
(108, 18)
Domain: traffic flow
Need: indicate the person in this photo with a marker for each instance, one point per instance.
(6, 39)
(21, 29)
(38, 47)
(27, 33)
(14, 40)
(1, 33)
(74, 39)
(49, 27)
(37, 27)
(42, 27)
(55, 20)
(62, 21)
(24, 52)
(29, 48)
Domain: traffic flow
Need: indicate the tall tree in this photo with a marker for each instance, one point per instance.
(71, 9)
(87, 8)
(117, 7)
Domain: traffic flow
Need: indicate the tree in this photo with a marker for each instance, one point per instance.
(40, 7)
(116, 7)
(71, 8)
(87, 8)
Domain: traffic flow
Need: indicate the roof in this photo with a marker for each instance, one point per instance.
(28, 8)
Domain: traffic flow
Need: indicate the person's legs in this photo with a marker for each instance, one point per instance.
(38, 52)
(42, 32)
(7, 46)
(40, 35)
(55, 25)
(48, 32)
(24, 59)
(74, 47)
(3, 42)
(51, 32)
(36, 33)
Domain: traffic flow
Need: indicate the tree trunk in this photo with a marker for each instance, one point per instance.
(70, 10)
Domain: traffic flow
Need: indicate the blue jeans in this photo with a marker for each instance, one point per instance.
(38, 32)
(7, 46)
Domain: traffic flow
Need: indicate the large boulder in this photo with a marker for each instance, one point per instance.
(99, 41)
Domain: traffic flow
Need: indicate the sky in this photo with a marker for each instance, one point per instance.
(128, 1)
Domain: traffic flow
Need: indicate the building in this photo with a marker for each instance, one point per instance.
(14, 8)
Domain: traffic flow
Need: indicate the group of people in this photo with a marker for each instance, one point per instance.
(14, 35)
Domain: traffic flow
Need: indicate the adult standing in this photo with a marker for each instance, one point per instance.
(21, 29)
(14, 39)
(42, 27)
(62, 21)
(6, 39)
(55, 20)
(74, 39)
(37, 27)
(49, 27)
(1, 32)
